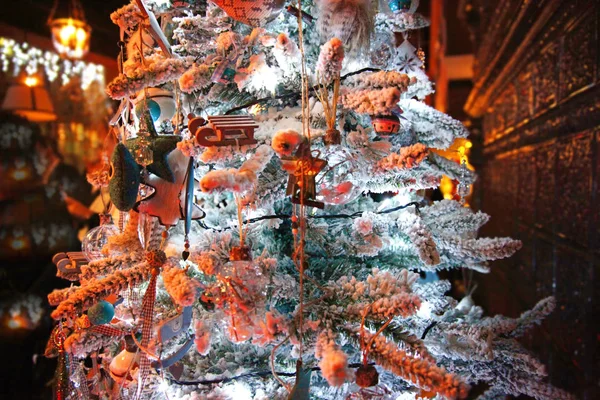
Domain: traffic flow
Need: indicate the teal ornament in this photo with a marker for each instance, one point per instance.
(160, 102)
(154, 109)
(125, 180)
(225, 71)
(398, 6)
(101, 313)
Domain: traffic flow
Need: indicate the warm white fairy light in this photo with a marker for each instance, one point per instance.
(23, 57)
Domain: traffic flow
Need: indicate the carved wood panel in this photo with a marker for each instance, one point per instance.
(579, 60)
(574, 184)
(546, 78)
(545, 186)
(536, 88)
(525, 93)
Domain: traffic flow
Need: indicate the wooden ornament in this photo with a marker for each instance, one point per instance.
(225, 130)
(303, 169)
(367, 376)
(240, 253)
(125, 179)
(166, 201)
(69, 264)
(251, 12)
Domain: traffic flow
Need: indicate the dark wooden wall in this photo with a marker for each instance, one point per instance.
(537, 92)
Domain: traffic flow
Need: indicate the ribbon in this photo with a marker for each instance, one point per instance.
(147, 315)
(108, 330)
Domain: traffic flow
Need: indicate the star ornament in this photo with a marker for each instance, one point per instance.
(168, 200)
(161, 146)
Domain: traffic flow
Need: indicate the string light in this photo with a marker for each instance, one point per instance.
(18, 57)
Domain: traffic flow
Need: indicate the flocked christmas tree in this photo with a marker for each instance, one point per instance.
(252, 257)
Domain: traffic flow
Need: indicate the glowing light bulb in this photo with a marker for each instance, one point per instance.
(67, 32)
(81, 35)
(31, 81)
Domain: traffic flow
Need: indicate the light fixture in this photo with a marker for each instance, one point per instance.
(29, 100)
(70, 35)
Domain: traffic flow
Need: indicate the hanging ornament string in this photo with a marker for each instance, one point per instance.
(303, 170)
(240, 217)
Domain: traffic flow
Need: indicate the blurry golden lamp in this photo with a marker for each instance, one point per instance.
(17, 322)
(70, 36)
(31, 81)
(29, 99)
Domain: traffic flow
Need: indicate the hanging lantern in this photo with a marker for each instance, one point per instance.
(70, 35)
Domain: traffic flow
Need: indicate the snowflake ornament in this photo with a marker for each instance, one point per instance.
(407, 60)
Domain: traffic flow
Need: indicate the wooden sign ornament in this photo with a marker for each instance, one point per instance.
(225, 130)
(69, 264)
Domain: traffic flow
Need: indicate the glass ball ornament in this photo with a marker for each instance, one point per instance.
(399, 6)
(97, 238)
(101, 313)
(336, 188)
(382, 49)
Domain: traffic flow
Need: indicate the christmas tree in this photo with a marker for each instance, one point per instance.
(270, 219)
